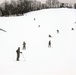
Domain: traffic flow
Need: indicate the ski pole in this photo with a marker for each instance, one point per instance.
(23, 56)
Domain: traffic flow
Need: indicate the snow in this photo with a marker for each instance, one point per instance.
(60, 59)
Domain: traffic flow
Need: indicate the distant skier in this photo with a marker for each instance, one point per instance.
(34, 19)
(38, 25)
(50, 36)
(24, 45)
(18, 53)
(72, 28)
(57, 31)
(49, 44)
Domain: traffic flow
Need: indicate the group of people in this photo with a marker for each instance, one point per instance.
(18, 51)
(24, 47)
(49, 43)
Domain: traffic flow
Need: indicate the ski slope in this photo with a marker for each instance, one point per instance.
(60, 59)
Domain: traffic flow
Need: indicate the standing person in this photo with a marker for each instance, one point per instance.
(49, 44)
(18, 53)
(24, 45)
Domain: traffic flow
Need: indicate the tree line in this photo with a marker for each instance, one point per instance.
(20, 7)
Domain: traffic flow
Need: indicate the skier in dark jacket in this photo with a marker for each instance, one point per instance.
(49, 44)
(18, 53)
(24, 45)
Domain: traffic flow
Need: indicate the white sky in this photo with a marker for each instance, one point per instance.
(70, 1)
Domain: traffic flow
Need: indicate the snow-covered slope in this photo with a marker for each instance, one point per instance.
(60, 59)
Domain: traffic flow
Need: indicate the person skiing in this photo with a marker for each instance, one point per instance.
(50, 36)
(24, 45)
(57, 31)
(34, 19)
(72, 28)
(18, 53)
(49, 44)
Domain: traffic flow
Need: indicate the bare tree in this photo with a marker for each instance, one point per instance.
(52, 3)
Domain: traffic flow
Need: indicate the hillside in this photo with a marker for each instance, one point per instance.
(34, 28)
